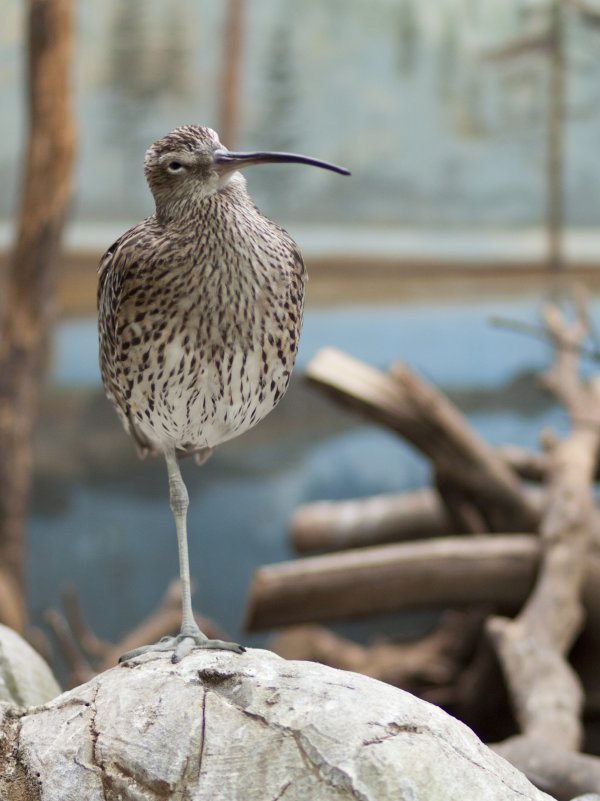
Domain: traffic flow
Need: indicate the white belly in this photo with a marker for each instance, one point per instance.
(202, 405)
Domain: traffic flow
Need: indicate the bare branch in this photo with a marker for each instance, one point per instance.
(84, 636)
(556, 770)
(75, 636)
(426, 418)
(546, 692)
(453, 571)
(338, 525)
(435, 661)
(80, 670)
(541, 332)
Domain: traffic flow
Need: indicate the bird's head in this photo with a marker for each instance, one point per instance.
(190, 164)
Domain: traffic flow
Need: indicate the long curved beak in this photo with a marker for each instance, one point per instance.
(226, 161)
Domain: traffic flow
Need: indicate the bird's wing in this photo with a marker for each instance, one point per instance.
(112, 273)
(115, 267)
(107, 260)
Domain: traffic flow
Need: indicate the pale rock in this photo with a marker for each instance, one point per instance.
(25, 678)
(221, 727)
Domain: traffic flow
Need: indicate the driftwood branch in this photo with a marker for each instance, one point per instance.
(430, 663)
(552, 574)
(452, 571)
(86, 655)
(546, 692)
(497, 571)
(563, 773)
(528, 465)
(394, 517)
(477, 486)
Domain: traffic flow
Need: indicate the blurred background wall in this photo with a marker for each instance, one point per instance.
(436, 133)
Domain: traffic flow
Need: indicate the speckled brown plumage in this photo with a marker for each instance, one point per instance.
(200, 313)
(200, 309)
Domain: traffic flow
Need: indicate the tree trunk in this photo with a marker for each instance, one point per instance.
(229, 116)
(28, 286)
(555, 140)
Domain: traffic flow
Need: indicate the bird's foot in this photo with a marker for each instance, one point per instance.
(183, 644)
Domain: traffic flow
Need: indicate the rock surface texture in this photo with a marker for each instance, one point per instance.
(25, 679)
(221, 727)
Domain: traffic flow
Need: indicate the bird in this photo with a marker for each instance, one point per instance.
(199, 314)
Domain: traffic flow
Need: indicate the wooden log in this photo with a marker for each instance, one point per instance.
(528, 465)
(426, 418)
(394, 517)
(434, 661)
(452, 571)
(556, 770)
(546, 692)
(86, 655)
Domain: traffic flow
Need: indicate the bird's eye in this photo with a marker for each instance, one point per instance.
(175, 167)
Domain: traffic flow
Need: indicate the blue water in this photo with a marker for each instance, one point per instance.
(114, 539)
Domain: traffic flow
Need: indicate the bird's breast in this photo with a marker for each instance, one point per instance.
(198, 341)
(219, 366)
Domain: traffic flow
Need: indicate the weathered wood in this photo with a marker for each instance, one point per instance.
(546, 692)
(434, 661)
(564, 773)
(421, 414)
(338, 525)
(528, 465)
(28, 285)
(436, 573)
(86, 655)
(393, 517)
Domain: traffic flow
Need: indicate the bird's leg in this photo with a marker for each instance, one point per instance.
(190, 636)
(179, 501)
